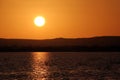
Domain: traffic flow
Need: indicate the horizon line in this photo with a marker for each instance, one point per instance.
(59, 38)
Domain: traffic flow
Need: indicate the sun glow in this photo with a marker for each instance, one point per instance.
(39, 21)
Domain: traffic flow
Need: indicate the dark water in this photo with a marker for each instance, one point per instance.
(59, 65)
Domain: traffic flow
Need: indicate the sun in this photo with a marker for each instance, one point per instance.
(39, 21)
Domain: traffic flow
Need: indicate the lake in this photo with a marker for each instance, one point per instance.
(59, 65)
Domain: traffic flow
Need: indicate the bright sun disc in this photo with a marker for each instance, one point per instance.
(39, 21)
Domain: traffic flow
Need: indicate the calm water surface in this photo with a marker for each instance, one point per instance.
(59, 65)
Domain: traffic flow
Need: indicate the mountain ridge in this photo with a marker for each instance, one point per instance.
(62, 43)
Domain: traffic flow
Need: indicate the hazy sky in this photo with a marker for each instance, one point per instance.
(64, 18)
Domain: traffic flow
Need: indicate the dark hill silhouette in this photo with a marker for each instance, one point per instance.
(105, 43)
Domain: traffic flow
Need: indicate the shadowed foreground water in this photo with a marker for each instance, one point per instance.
(59, 65)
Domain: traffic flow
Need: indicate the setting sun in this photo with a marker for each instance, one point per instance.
(39, 21)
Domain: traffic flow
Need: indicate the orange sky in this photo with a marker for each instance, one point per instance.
(64, 18)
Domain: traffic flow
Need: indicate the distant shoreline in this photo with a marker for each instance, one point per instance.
(61, 49)
(95, 44)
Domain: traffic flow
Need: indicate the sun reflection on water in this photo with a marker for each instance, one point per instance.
(42, 56)
(40, 71)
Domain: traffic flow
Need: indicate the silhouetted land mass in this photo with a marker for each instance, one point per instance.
(104, 43)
